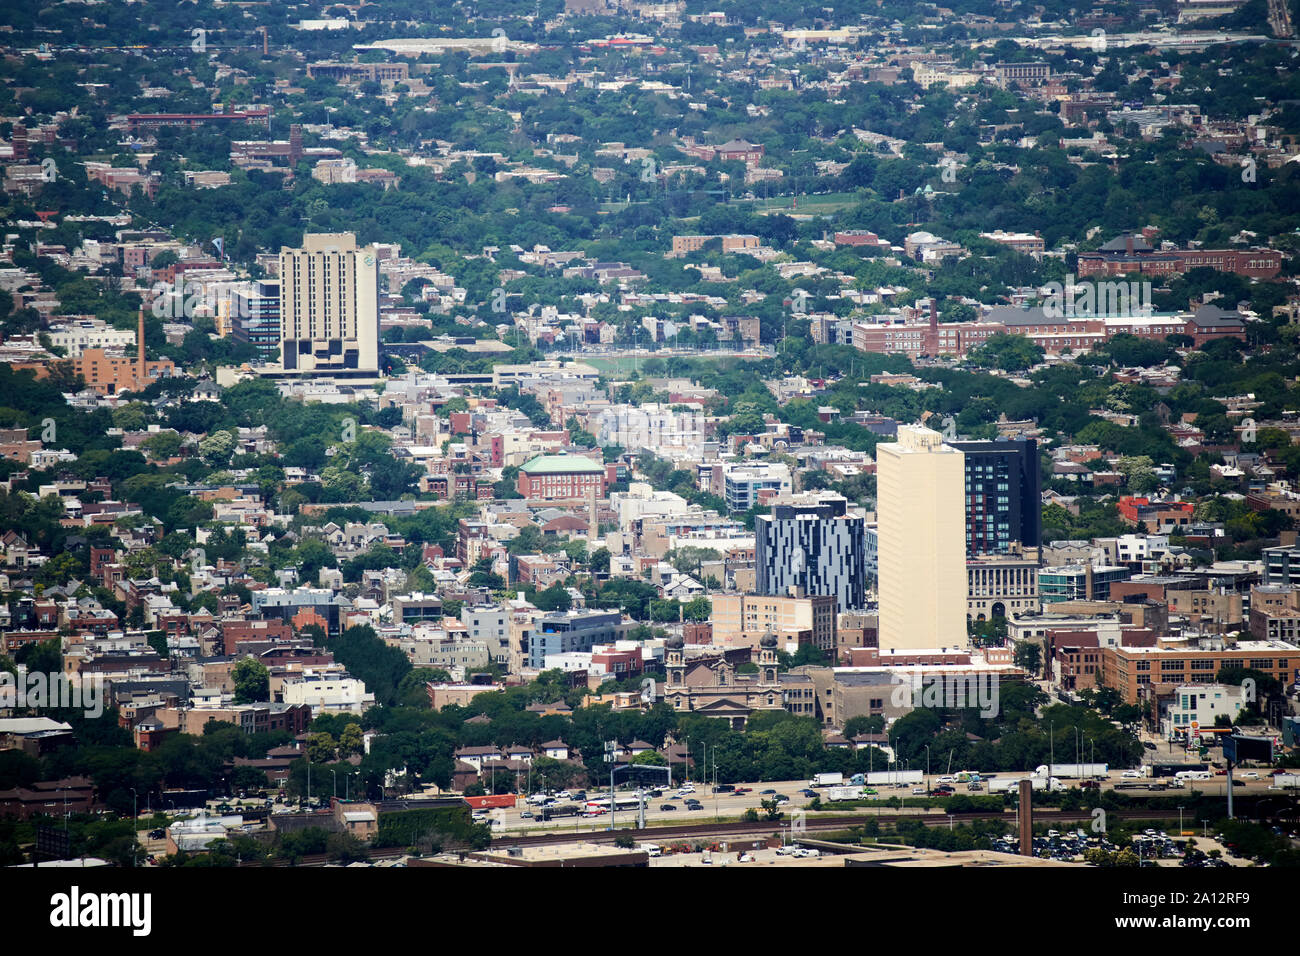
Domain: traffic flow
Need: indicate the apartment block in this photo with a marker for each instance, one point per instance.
(329, 306)
(920, 527)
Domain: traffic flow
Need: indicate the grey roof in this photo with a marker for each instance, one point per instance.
(1213, 315)
(873, 679)
(1120, 244)
(1014, 315)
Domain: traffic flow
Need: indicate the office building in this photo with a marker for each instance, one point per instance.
(1282, 566)
(1003, 495)
(812, 545)
(1137, 671)
(743, 619)
(573, 631)
(255, 318)
(1001, 585)
(746, 484)
(1079, 582)
(329, 307)
(921, 531)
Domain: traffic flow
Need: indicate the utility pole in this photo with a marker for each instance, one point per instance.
(611, 748)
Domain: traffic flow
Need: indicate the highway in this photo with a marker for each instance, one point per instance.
(734, 805)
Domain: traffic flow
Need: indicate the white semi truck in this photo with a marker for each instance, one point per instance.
(1073, 771)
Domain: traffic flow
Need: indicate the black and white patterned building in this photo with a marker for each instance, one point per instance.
(814, 543)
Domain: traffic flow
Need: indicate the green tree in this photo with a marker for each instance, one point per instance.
(351, 741)
(252, 681)
(1029, 655)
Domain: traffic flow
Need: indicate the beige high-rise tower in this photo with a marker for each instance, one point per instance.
(329, 306)
(921, 533)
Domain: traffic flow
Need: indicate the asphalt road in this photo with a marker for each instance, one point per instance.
(734, 805)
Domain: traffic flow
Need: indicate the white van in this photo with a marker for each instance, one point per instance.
(652, 849)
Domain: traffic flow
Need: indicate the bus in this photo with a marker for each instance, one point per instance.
(563, 810)
(621, 802)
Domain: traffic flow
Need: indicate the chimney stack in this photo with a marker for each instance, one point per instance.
(1027, 815)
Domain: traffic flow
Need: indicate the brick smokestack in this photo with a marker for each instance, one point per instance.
(1128, 243)
(1027, 817)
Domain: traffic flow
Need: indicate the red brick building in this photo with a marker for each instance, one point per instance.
(563, 478)
(1129, 253)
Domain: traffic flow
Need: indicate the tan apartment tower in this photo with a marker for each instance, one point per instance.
(329, 306)
(921, 533)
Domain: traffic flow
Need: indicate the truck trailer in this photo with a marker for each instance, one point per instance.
(886, 778)
(1073, 771)
(844, 793)
(1012, 784)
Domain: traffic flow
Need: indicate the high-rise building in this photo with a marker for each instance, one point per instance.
(922, 549)
(255, 318)
(812, 542)
(329, 306)
(1003, 495)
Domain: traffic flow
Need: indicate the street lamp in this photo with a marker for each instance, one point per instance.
(135, 826)
(335, 774)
